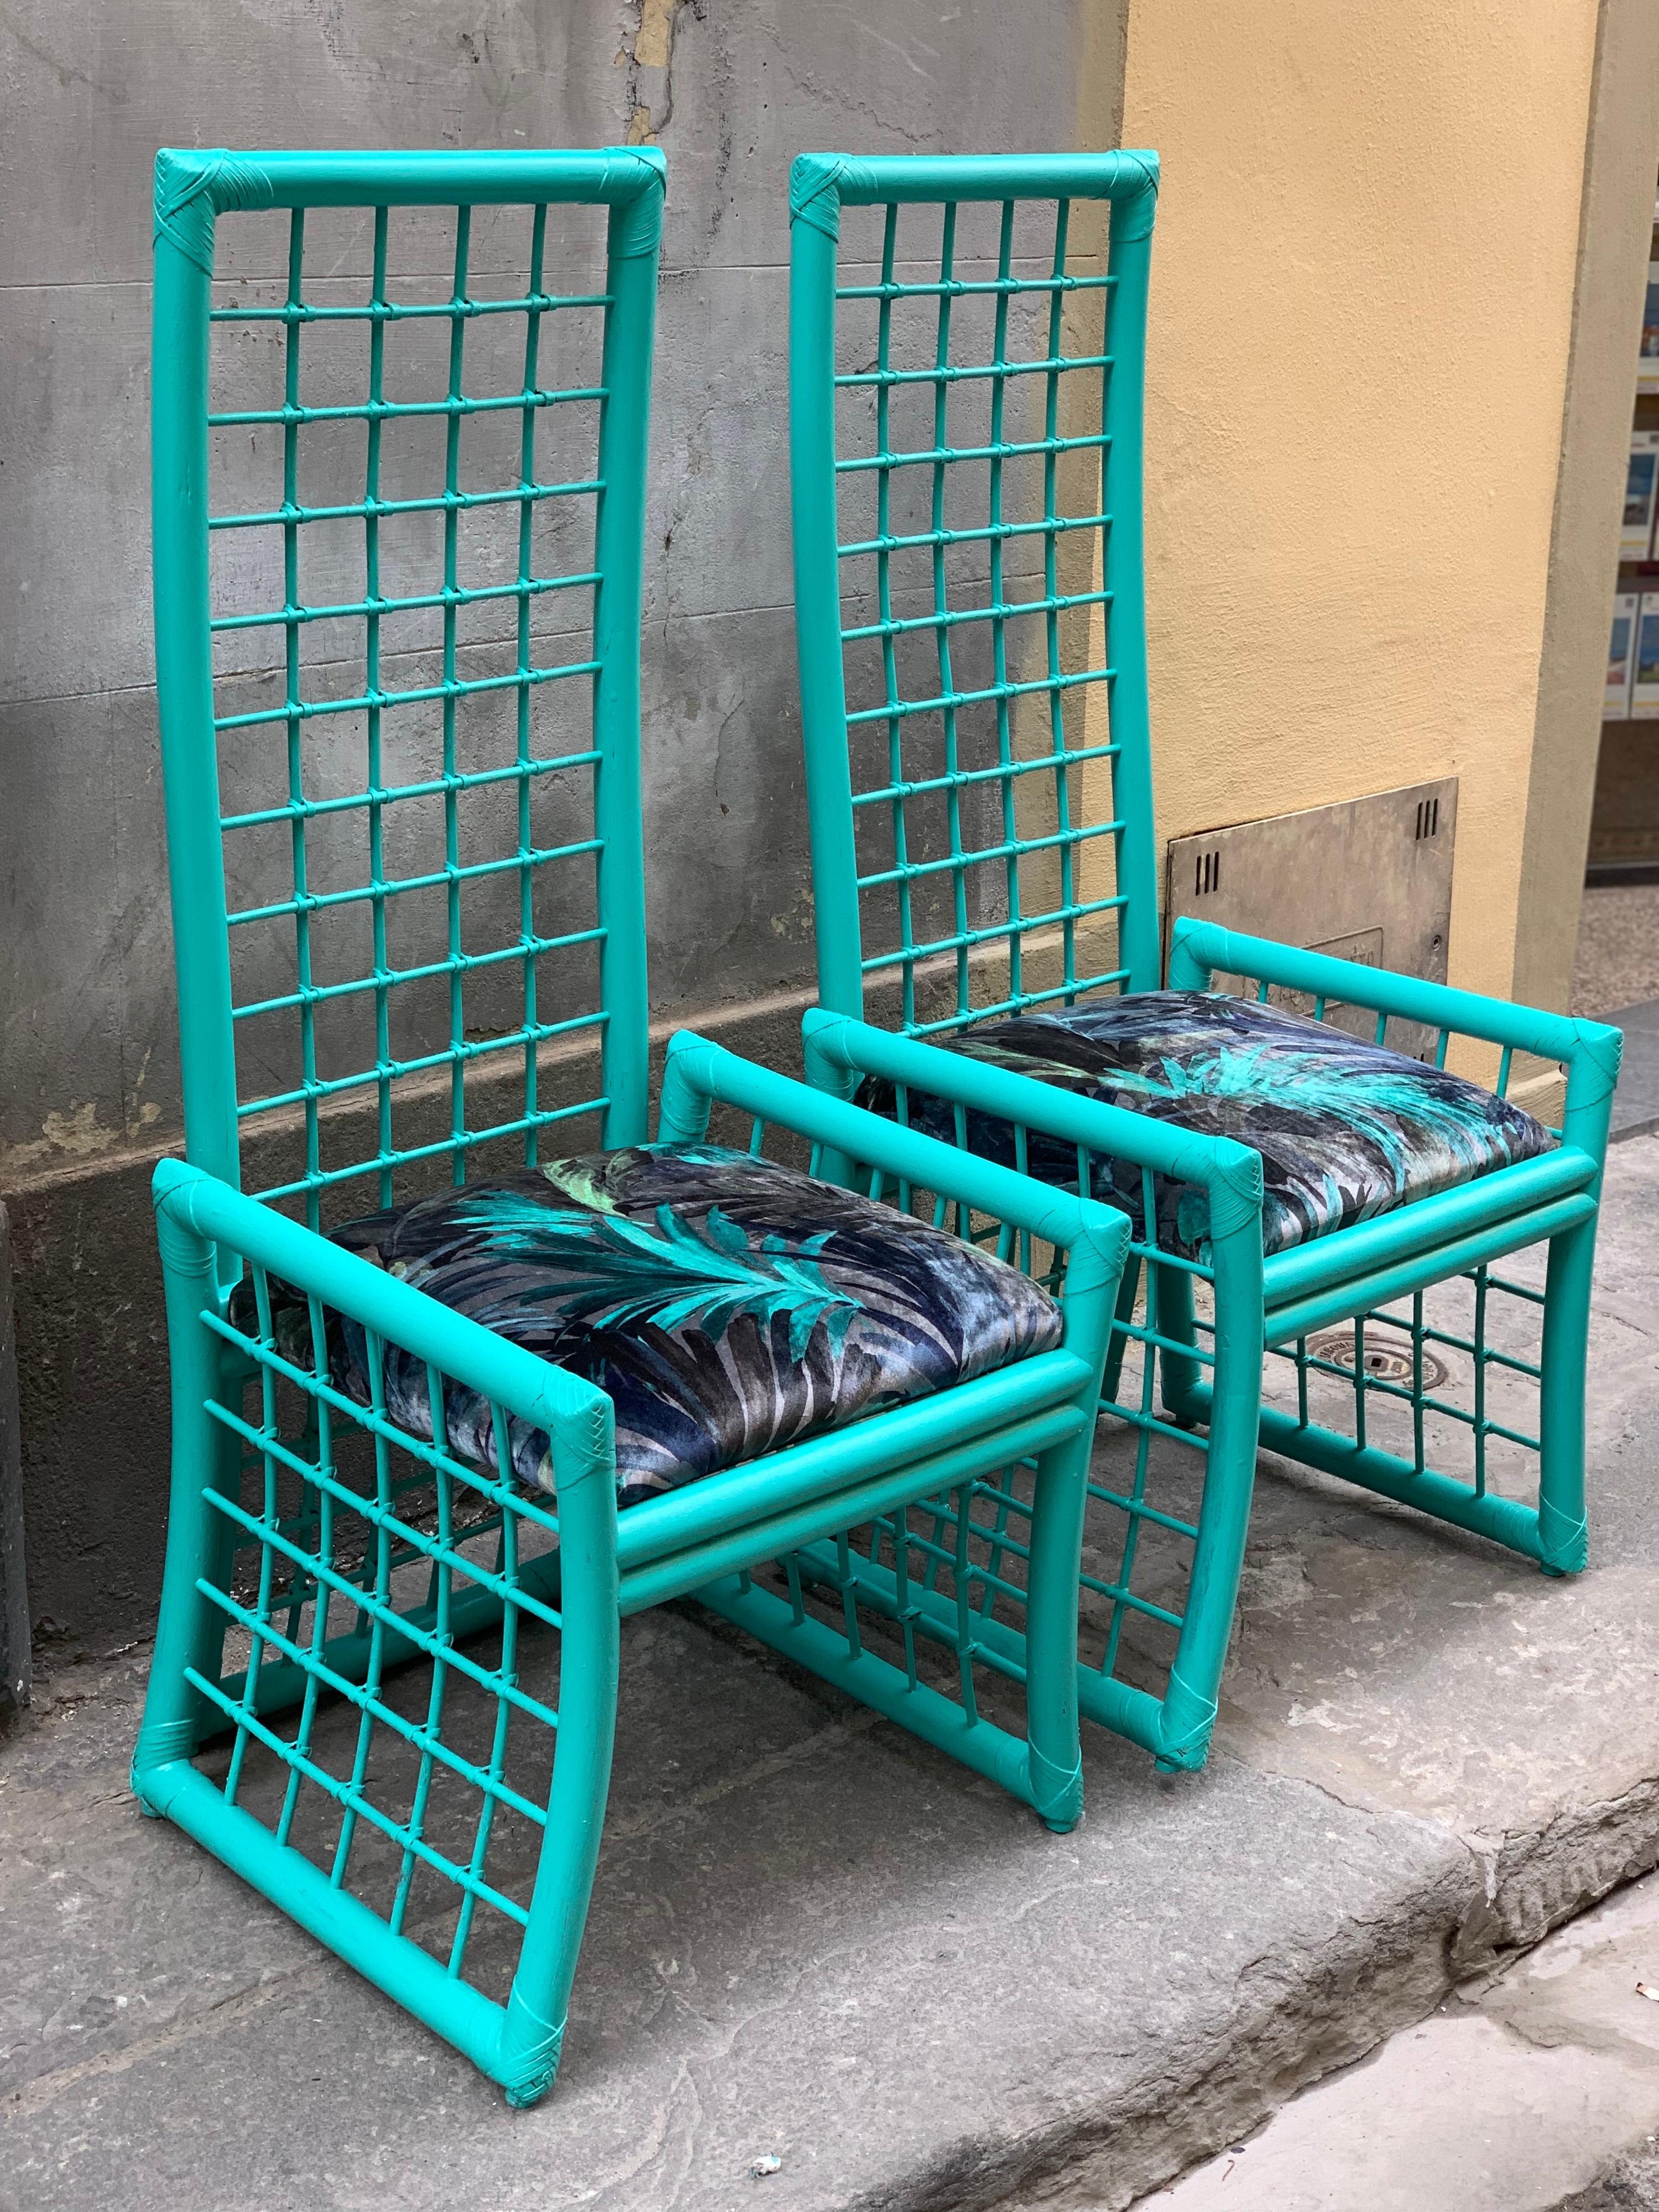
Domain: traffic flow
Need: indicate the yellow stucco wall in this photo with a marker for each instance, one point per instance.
(1362, 290)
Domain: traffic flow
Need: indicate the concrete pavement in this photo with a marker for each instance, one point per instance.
(816, 1941)
(1540, 2081)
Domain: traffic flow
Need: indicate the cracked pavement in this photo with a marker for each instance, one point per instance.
(814, 1940)
(1542, 2080)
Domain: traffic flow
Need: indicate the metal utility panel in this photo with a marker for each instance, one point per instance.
(1368, 880)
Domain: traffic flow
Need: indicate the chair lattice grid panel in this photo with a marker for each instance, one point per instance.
(400, 433)
(968, 341)
(350, 1550)
(970, 445)
(940, 1587)
(407, 568)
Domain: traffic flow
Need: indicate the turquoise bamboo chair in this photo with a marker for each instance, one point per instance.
(408, 900)
(967, 346)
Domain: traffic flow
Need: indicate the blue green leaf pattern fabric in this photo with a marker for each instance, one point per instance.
(727, 1305)
(1345, 1129)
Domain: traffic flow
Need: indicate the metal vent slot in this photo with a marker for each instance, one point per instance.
(1367, 880)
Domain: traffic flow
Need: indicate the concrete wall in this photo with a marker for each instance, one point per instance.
(732, 90)
(1361, 310)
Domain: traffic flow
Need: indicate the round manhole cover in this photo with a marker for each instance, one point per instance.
(1388, 1355)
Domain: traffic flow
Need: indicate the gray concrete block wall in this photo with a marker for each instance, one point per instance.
(732, 90)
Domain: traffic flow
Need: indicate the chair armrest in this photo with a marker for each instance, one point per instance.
(699, 1072)
(578, 1419)
(1094, 1238)
(1198, 949)
(1230, 1172)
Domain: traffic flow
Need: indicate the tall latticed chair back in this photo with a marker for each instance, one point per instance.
(967, 369)
(399, 463)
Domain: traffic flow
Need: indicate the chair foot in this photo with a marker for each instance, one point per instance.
(1061, 1827)
(528, 2058)
(522, 2100)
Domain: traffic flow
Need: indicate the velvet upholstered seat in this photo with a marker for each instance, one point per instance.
(1345, 1129)
(728, 1306)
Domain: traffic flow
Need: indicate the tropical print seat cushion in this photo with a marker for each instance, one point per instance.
(1345, 1129)
(726, 1305)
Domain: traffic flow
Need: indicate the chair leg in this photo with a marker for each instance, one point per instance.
(1051, 1677)
(1169, 1304)
(1188, 1712)
(1118, 1343)
(189, 1630)
(1562, 1531)
(1229, 1406)
(532, 2032)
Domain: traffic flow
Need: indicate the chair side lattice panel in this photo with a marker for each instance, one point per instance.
(938, 1589)
(352, 1548)
(1446, 1381)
